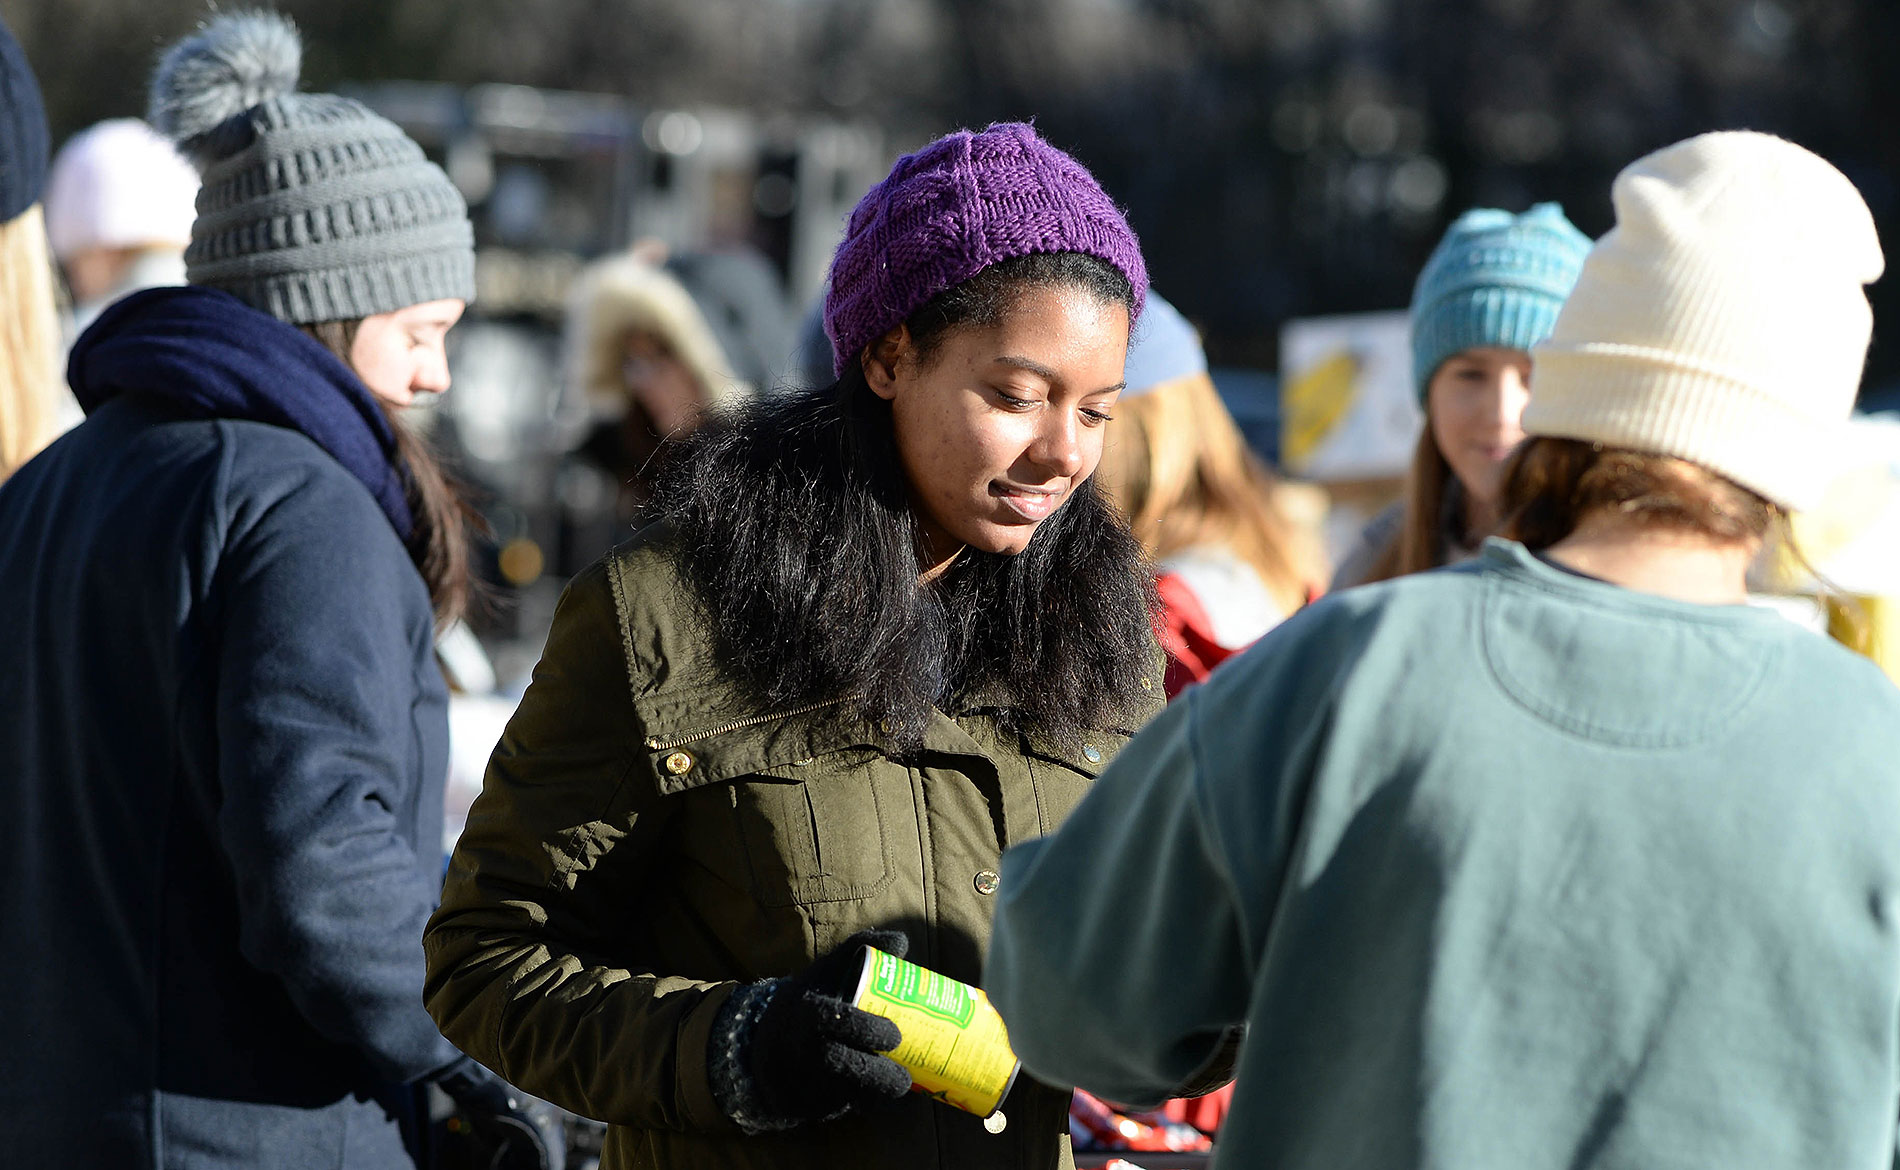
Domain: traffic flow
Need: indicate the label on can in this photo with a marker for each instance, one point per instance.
(955, 1046)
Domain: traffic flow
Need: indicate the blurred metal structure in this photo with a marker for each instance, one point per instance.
(555, 179)
(555, 176)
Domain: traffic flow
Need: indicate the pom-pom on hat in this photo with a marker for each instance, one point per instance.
(312, 208)
(1496, 279)
(23, 138)
(954, 208)
(1723, 320)
(118, 184)
(1163, 348)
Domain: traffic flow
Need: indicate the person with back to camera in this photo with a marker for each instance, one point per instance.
(1564, 857)
(877, 632)
(1490, 291)
(1232, 563)
(226, 732)
(30, 392)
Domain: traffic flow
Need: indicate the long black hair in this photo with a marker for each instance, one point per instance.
(793, 525)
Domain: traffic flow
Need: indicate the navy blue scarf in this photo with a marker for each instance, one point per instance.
(210, 355)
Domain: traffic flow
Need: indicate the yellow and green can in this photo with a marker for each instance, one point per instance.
(955, 1046)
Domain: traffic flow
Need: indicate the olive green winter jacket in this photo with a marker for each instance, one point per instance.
(645, 841)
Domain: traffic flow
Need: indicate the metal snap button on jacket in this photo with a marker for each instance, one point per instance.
(1091, 753)
(679, 763)
(987, 881)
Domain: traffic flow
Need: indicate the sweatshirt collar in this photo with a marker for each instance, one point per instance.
(1510, 559)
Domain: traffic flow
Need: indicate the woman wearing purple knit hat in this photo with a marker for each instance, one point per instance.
(874, 634)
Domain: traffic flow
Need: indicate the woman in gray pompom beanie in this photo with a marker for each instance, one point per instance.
(227, 731)
(328, 217)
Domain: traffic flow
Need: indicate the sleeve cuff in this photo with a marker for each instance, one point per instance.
(733, 1089)
(699, 1106)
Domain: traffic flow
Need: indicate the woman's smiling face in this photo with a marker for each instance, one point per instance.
(1474, 403)
(1001, 423)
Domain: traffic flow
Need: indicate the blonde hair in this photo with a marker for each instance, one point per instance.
(29, 341)
(1182, 474)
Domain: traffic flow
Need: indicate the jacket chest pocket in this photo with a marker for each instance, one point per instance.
(813, 834)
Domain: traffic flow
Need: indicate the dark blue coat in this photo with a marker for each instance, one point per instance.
(223, 741)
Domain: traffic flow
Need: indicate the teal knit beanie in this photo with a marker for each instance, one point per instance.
(1496, 279)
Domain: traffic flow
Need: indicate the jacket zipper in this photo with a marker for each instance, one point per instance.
(660, 743)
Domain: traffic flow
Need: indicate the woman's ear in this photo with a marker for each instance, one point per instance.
(881, 359)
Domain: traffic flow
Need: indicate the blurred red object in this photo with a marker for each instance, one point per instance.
(1096, 1125)
(1203, 1113)
(1186, 634)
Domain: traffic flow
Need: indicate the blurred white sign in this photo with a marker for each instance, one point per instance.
(1347, 407)
(1853, 536)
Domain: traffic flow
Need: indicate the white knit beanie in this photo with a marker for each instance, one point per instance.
(119, 184)
(1722, 320)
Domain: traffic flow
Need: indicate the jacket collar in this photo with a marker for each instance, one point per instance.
(700, 728)
(210, 355)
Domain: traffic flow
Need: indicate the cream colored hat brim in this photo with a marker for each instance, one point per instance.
(1665, 403)
(1723, 320)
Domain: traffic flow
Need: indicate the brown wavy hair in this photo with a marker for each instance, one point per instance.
(1182, 475)
(1550, 485)
(445, 520)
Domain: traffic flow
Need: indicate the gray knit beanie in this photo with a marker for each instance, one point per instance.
(311, 208)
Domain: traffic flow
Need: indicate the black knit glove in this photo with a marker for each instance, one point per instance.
(793, 1050)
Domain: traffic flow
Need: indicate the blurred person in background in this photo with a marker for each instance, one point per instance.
(30, 390)
(226, 739)
(652, 372)
(1231, 563)
(1563, 857)
(119, 208)
(1490, 291)
(876, 632)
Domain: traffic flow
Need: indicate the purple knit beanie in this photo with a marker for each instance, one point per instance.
(953, 209)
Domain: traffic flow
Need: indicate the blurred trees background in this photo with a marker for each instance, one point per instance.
(1278, 157)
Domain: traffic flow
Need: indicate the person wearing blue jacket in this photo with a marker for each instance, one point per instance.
(224, 732)
(1562, 857)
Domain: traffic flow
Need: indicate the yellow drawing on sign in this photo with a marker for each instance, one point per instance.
(1314, 403)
